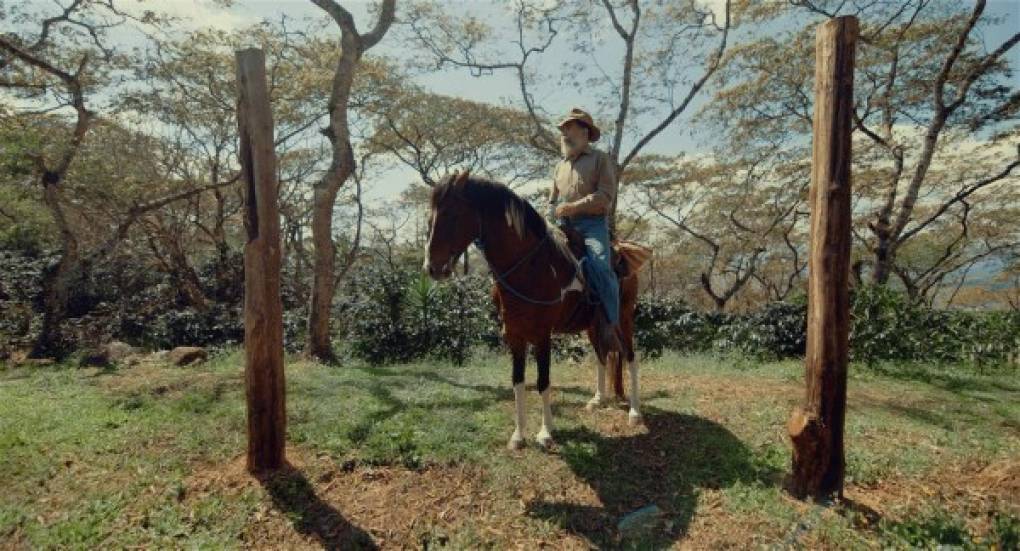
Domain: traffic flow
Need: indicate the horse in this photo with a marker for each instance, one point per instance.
(538, 289)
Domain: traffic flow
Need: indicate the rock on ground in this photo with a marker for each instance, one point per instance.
(108, 354)
(185, 355)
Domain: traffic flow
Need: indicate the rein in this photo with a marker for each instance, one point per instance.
(501, 277)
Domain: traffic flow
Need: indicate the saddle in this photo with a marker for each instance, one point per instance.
(626, 257)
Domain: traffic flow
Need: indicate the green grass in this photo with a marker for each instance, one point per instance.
(102, 459)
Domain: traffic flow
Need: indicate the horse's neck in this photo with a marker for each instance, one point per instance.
(504, 247)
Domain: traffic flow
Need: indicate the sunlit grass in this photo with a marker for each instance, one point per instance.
(94, 458)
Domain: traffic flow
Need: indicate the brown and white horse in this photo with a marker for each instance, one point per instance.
(538, 290)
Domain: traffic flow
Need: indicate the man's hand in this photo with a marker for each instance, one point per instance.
(564, 210)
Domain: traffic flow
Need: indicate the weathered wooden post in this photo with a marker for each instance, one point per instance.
(263, 310)
(816, 428)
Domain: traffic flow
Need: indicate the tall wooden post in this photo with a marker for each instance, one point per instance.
(816, 428)
(263, 310)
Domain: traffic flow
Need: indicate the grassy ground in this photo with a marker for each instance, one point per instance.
(414, 456)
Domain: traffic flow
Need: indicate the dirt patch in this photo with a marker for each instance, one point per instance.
(315, 503)
(974, 491)
(155, 378)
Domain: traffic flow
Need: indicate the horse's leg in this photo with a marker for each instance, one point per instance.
(616, 370)
(635, 414)
(519, 350)
(627, 352)
(542, 358)
(599, 399)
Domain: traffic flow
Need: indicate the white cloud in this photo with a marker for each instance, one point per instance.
(197, 13)
(718, 8)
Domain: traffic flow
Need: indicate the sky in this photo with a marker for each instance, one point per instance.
(498, 88)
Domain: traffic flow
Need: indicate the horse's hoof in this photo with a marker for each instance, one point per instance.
(516, 443)
(634, 418)
(544, 439)
(595, 403)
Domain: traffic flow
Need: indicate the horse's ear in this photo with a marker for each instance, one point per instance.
(459, 178)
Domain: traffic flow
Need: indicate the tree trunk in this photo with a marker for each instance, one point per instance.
(323, 269)
(56, 283)
(816, 428)
(263, 310)
(883, 260)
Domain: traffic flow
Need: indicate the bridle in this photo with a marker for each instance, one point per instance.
(501, 277)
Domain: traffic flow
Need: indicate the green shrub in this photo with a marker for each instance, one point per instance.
(777, 331)
(397, 316)
(668, 323)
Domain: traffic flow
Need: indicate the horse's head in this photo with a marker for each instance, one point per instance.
(453, 225)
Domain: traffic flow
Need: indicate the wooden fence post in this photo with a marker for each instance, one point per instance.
(816, 428)
(263, 310)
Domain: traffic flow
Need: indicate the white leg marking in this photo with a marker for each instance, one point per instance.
(517, 439)
(635, 402)
(599, 399)
(544, 436)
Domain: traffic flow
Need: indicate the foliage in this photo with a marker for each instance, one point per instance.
(779, 330)
(886, 325)
(121, 300)
(397, 315)
(401, 315)
(665, 323)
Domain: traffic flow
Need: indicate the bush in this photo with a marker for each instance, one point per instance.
(118, 299)
(777, 331)
(886, 325)
(386, 315)
(397, 316)
(668, 323)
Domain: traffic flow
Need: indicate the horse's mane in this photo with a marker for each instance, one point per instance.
(496, 201)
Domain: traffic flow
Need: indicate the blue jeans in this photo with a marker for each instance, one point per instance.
(595, 265)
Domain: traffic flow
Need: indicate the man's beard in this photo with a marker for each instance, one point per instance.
(570, 148)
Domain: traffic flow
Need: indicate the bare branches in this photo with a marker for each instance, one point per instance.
(959, 198)
(713, 65)
(465, 57)
(345, 20)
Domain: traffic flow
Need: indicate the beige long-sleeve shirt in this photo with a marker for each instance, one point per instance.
(589, 181)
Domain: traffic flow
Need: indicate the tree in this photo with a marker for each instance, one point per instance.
(55, 63)
(935, 126)
(435, 135)
(190, 84)
(647, 92)
(353, 46)
(740, 214)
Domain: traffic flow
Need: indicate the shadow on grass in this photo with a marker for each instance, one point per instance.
(294, 496)
(667, 466)
(966, 379)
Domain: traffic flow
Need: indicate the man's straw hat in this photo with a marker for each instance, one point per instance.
(584, 118)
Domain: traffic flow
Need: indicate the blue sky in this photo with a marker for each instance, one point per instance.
(501, 87)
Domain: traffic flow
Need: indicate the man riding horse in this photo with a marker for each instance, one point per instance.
(585, 181)
(538, 271)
